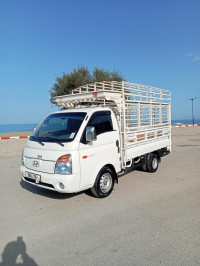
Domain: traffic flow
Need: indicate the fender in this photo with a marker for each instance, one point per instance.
(100, 168)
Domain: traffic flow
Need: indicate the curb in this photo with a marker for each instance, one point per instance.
(186, 125)
(16, 137)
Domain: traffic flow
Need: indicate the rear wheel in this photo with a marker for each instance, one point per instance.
(152, 164)
(144, 167)
(104, 183)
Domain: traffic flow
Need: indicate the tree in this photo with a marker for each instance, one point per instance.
(79, 77)
(100, 74)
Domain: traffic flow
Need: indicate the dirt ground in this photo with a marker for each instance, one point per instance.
(14, 134)
(149, 219)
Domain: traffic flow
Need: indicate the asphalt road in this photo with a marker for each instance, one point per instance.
(149, 219)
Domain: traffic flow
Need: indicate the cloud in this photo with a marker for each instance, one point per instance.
(194, 56)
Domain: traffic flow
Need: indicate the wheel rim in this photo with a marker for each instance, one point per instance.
(154, 163)
(105, 182)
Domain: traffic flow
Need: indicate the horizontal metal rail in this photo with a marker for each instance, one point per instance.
(138, 92)
(148, 135)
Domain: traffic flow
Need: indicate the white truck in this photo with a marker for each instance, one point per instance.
(104, 129)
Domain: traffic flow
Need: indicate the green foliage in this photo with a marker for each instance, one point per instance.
(103, 75)
(79, 77)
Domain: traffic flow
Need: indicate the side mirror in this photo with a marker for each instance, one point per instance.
(90, 134)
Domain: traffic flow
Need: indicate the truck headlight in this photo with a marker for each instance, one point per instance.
(64, 165)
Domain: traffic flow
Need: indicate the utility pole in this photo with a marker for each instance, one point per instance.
(192, 99)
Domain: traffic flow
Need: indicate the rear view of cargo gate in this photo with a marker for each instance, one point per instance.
(125, 125)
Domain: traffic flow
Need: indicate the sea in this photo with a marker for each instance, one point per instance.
(185, 121)
(29, 127)
(17, 128)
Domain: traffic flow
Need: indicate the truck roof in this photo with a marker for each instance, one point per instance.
(79, 110)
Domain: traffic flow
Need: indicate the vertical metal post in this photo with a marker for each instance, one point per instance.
(123, 126)
(192, 112)
(170, 121)
(160, 114)
(192, 100)
(139, 114)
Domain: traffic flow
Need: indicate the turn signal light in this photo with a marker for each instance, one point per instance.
(64, 158)
(64, 165)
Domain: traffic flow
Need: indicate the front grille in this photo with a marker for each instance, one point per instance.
(40, 183)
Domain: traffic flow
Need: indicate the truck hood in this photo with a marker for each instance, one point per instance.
(43, 158)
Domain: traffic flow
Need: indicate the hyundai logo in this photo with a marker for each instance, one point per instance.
(35, 163)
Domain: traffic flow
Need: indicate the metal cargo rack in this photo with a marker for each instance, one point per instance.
(143, 112)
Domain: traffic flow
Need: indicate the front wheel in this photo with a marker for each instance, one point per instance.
(152, 164)
(104, 183)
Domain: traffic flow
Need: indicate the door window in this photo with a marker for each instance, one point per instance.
(102, 123)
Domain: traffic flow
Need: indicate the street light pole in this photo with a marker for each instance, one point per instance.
(192, 100)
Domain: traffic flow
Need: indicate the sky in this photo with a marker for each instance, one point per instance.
(155, 43)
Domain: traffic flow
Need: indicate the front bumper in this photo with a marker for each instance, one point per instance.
(52, 181)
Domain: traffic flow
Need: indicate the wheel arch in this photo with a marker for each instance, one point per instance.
(113, 169)
(109, 165)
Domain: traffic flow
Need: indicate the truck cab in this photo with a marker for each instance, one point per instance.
(70, 148)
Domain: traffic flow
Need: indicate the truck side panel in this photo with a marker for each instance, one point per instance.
(95, 155)
(141, 149)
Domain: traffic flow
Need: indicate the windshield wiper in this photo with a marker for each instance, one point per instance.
(54, 140)
(36, 139)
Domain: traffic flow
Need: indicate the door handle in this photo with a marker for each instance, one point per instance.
(117, 144)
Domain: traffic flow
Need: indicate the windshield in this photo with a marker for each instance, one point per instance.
(60, 127)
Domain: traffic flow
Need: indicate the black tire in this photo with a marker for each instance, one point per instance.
(144, 167)
(104, 183)
(153, 162)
